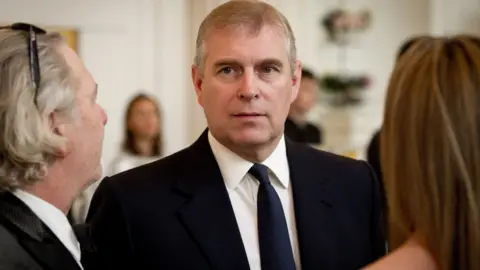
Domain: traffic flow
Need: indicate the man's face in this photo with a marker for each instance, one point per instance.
(86, 133)
(246, 86)
(307, 96)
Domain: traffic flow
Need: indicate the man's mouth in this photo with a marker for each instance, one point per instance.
(253, 114)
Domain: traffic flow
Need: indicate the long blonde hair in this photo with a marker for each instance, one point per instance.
(432, 166)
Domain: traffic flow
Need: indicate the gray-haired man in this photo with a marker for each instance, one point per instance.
(51, 133)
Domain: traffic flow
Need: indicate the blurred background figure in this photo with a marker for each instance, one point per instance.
(432, 163)
(142, 144)
(373, 149)
(297, 126)
(143, 136)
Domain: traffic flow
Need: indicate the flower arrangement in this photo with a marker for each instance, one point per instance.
(342, 83)
(340, 23)
(346, 89)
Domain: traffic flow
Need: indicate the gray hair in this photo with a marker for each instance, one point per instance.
(28, 146)
(253, 15)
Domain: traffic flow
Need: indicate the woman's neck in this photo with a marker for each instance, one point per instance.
(144, 147)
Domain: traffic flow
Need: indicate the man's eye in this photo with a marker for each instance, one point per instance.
(226, 70)
(268, 70)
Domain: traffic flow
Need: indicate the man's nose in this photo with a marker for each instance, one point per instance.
(248, 89)
(105, 117)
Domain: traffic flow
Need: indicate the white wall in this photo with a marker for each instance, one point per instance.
(454, 17)
(127, 45)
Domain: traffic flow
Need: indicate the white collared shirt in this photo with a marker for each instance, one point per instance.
(54, 219)
(243, 188)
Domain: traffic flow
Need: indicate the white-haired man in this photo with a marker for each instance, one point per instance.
(51, 134)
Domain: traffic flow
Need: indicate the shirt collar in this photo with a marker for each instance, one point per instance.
(234, 167)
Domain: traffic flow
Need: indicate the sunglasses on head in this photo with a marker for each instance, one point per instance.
(32, 31)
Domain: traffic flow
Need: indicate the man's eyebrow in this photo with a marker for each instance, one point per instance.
(226, 62)
(233, 62)
(270, 61)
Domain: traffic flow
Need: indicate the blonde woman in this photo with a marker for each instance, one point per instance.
(432, 166)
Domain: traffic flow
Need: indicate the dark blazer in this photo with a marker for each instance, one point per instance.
(26, 243)
(175, 214)
(373, 155)
(306, 134)
(373, 158)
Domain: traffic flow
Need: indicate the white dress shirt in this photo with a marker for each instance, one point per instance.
(54, 219)
(243, 188)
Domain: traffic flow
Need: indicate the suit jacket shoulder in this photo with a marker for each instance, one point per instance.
(27, 242)
(328, 164)
(344, 189)
(12, 255)
(350, 182)
(176, 205)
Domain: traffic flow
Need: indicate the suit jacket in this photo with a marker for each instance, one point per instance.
(373, 158)
(306, 134)
(175, 214)
(26, 243)
(373, 155)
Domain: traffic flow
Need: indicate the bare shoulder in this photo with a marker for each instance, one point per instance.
(410, 256)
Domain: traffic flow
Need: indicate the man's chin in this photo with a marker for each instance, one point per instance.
(97, 176)
(252, 138)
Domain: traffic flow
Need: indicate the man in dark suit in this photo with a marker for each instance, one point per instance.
(373, 148)
(297, 126)
(242, 196)
(51, 132)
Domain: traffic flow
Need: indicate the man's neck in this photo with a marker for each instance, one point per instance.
(59, 198)
(59, 188)
(255, 153)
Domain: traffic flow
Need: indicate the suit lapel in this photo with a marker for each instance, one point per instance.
(208, 214)
(35, 236)
(314, 209)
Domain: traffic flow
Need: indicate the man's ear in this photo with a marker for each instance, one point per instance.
(197, 79)
(296, 79)
(58, 125)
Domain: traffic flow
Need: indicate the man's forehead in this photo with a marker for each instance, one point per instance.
(243, 32)
(235, 44)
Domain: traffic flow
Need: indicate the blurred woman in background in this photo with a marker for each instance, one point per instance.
(432, 165)
(143, 138)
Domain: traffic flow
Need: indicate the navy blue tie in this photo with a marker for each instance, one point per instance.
(275, 248)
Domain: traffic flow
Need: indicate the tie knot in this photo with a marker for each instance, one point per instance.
(260, 172)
